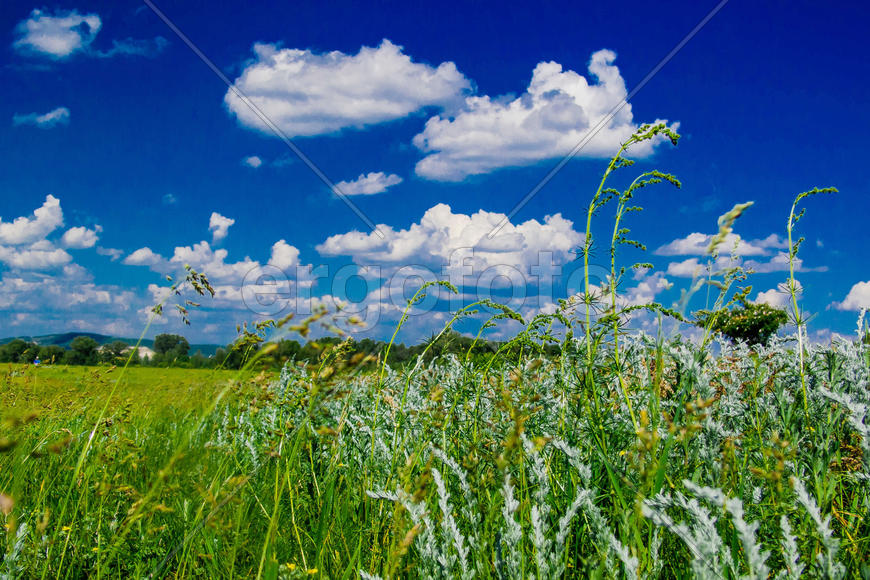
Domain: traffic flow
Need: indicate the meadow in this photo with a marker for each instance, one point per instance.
(611, 453)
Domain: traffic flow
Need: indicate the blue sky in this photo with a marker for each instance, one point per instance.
(435, 120)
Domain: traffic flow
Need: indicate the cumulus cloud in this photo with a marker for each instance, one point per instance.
(79, 238)
(305, 93)
(547, 121)
(690, 268)
(369, 184)
(226, 276)
(63, 33)
(144, 257)
(39, 256)
(696, 244)
(440, 233)
(53, 118)
(26, 230)
(253, 161)
(219, 226)
(646, 291)
(693, 267)
(203, 258)
(778, 297)
(113, 253)
(857, 298)
(24, 244)
(284, 255)
(56, 35)
(69, 299)
(756, 251)
(779, 263)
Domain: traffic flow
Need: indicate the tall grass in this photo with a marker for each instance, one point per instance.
(626, 455)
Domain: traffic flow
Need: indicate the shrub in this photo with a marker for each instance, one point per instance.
(749, 323)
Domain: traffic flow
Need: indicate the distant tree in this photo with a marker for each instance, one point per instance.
(284, 350)
(237, 355)
(83, 351)
(399, 353)
(11, 351)
(750, 323)
(198, 360)
(30, 353)
(171, 348)
(51, 354)
(220, 355)
(113, 353)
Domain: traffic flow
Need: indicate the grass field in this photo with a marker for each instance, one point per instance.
(46, 389)
(519, 471)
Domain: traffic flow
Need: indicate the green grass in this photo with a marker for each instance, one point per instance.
(47, 389)
(300, 474)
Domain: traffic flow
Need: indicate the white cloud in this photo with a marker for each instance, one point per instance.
(23, 230)
(169, 199)
(252, 161)
(39, 256)
(58, 116)
(144, 257)
(440, 233)
(81, 237)
(24, 244)
(226, 276)
(778, 297)
(63, 33)
(113, 253)
(857, 298)
(284, 255)
(219, 226)
(647, 290)
(369, 184)
(305, 93)
(690, 268)
(779, 263)
(68, 300)
(56, 36)
(696, 244)
(545, 122)
(203, 258)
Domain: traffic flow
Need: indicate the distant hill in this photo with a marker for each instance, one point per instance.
(64, 340)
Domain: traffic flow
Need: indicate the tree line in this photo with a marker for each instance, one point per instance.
(172, 350)
(751, 323)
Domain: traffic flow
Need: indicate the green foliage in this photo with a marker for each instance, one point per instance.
(750, 323)
(170, 344)
(14, 351)
(51, 354)
(113, 353)
(83, 351)
(170, 349)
